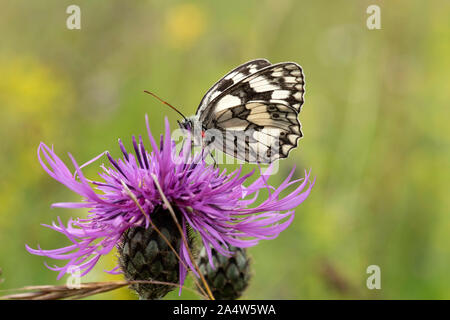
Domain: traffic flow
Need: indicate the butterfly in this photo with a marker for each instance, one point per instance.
(252, 112)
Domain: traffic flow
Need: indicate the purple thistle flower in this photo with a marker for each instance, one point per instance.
(215, 204)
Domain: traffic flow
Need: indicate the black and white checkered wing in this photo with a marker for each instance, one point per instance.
(231, 78)
(258, 114)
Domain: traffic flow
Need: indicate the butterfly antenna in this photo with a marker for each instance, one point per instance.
(166, 103)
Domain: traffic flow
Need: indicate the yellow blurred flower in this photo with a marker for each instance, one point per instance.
(27, 86)
(32, 101)
(185, 23)
(31, 93)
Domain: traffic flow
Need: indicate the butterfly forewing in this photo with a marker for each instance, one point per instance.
(231, 78)
(283, 82)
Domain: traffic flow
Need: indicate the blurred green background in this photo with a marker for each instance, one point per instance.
(375, 122)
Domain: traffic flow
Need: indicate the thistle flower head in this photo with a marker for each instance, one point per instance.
(214, 203)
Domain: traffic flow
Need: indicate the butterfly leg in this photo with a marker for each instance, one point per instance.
(207, 147)
(214, 159)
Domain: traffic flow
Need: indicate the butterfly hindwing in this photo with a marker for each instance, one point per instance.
(265, 130)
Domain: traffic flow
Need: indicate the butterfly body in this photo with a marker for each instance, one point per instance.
(252, 112)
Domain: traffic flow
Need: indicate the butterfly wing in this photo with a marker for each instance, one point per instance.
(258, 114)
(228, 80)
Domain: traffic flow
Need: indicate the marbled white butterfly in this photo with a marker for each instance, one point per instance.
(252, 112)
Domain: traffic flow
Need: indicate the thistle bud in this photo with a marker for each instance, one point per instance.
(145, 255)
(231, 276)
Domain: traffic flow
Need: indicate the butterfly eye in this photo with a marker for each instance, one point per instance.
(186, 125)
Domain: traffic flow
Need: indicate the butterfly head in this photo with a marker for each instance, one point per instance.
(195, 128)
(189, 123)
